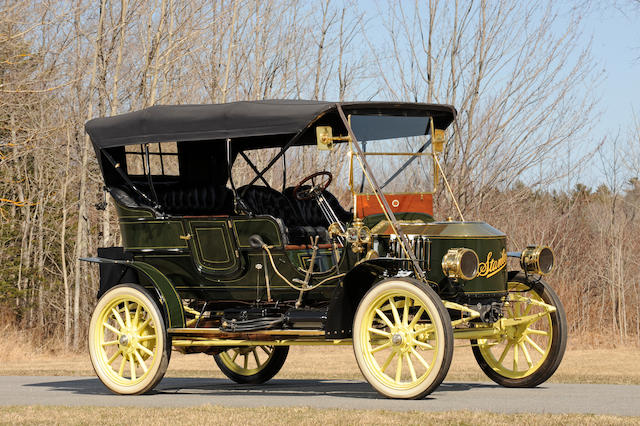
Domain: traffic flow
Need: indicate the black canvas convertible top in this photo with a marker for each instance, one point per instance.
(244, 120)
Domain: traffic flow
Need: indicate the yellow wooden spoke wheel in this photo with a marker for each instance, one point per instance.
(127, 340)
(252, 364)
(402, 338)
(526, 354)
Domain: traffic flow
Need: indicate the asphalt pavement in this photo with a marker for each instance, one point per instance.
(183, 392)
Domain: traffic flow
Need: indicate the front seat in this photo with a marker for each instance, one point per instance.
(261, 200)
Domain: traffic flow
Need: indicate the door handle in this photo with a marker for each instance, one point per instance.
(185, 237)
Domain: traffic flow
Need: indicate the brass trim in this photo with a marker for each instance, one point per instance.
(530, 260)
(452, 264)
(217, 332)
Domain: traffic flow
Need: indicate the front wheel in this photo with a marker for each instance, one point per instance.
(402, 338)
(128, 343)
(252, 364)
(527, 354)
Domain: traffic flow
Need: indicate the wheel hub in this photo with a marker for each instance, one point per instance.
(397, 339)
(127, 342)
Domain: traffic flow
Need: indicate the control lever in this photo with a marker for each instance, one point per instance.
(256, 241)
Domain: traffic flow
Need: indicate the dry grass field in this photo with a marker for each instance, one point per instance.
(216, 415)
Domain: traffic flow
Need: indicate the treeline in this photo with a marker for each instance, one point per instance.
(516, 77)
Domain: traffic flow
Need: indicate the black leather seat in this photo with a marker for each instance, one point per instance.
(268, 201)
(180, 199)
(196, 200)
(310, 211)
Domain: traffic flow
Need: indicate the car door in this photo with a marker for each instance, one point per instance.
(214, 251)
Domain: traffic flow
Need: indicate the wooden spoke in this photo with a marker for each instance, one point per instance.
(122, 364)
(132, 367)
(525, 351)
(144, 324)
(112, 328)
(387, 361)
(145, 350)
(117, 317)
(516, 309)
(136, 316)
(399, 368)
(110, 343)
(420, 358)
(255, 356)
(235, 355)
(140, 361)
(379, 332)
(515, 357)
(504, 352)
(246, 361)
(381, 347)
(405, 312)
(384, 318)
(534, 344)
(127, 313)
(266, 350)
(394, 310)
(145, 338)
(416, 317)
(114, 357)
(411, 368)
(423, 344)
(538, 332)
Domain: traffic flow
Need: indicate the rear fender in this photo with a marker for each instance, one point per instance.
(169, 298)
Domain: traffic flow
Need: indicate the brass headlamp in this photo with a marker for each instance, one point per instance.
(358, 235)
(537, 260)
(460, 263)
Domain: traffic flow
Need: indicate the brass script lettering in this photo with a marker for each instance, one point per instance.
(492, 266)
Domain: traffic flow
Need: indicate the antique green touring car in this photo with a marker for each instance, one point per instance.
(220, 255)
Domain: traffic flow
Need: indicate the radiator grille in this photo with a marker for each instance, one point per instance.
(421, 245)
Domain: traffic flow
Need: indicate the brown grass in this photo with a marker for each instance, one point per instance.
(217, 415)
(579, 365)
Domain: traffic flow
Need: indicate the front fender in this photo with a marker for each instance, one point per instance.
(350, 291)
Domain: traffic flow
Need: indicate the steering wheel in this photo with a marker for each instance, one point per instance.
(325, 179)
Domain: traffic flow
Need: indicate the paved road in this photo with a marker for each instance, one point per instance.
(180, 392)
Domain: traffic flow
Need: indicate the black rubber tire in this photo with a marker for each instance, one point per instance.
(558, 341)
(270, 369)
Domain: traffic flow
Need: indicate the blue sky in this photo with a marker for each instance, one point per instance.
(614, 34)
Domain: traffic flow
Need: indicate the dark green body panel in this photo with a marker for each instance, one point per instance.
(488, 243)
(216, 262)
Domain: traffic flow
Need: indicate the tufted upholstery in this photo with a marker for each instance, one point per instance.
(310, 211)
(263, 200)
(196, 200)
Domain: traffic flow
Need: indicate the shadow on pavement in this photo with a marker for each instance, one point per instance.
(222, 387)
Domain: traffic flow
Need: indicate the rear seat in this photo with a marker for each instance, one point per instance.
(196, 200)
(180, 199)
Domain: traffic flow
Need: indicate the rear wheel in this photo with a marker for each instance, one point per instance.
(128, 344)
(252, 364)
(402, 338)
(527, 354)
